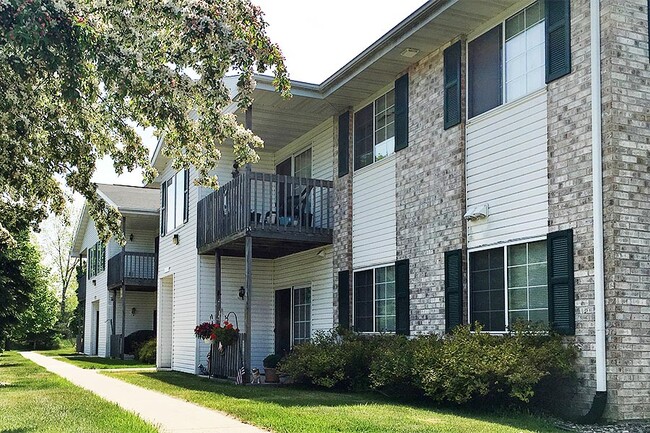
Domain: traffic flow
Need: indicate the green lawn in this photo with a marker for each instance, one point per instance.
(289, 410)
(68, 354)
(34, 400)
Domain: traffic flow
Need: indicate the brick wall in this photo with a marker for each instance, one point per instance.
(570, 186)
(342, 237)
(626, 185)
(430, 189)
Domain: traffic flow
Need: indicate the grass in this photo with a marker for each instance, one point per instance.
(68, 354)
(35, 400)
(290, 410)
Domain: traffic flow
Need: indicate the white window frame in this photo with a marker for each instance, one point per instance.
(374, 298)
(505, 246)
(293, 306)
(484, 30)
(179, 194)
(374, 129)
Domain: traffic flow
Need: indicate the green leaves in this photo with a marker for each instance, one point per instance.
(77, 75)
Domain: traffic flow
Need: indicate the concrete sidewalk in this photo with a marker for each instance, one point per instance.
(169, 414)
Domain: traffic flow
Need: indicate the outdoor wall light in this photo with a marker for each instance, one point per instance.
(94, 282)
(175, 239)
(133, 311)
(242, 292)
(322, 254)
(131, 237)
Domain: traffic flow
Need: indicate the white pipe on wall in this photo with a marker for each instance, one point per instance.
(597, 180)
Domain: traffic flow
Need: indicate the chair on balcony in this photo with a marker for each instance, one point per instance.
(298, 209)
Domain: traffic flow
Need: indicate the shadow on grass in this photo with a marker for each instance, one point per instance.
(9, 364)
(301, 396)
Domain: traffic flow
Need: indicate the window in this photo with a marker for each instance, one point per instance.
(374, 131)
(512, 53)
(175, 201)
(301, 315)
(374, 300)
(96, 259)
(302, 164)
(524, 51)
(512, 279)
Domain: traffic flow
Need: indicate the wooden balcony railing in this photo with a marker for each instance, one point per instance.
(136, 269)
(270, 205)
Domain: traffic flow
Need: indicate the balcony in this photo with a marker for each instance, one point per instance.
(137, 271)
(284, 214)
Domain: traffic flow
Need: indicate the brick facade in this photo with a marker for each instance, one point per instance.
(430, 190)
(431, 201)
(342, 237)
(570, 187)
(626, 190)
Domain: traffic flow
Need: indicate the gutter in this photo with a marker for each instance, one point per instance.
(600, 399)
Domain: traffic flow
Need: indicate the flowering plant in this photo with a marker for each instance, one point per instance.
(224, 333)
(204, 330)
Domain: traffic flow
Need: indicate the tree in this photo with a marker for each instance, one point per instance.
(76, 76)
(56, 241)
(21, 276)
(37, 324)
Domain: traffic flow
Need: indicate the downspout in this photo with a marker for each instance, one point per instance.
(600, 399)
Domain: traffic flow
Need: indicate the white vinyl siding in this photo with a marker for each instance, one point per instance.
(95, 293)
(321, 141)
(309, 269)
(144, 304)
(506, 168)
(233, 277)
(373, 215)
(181, 262)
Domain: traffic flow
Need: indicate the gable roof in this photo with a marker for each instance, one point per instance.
(130, 199)
(127, 199)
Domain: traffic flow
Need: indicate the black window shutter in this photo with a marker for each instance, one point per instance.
(163, 208)
(402, 313)
(452, 85)
(484, 74)
(186, 195)
(344, 144)
(402, 112)
(453, 289)
(344, 299)
(558, 38)
(561, 301)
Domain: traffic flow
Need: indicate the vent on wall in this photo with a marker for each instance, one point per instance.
(477, 212)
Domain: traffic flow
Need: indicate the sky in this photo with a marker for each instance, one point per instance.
(317, 38)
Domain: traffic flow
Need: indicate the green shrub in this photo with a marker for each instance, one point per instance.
(474, 366)
(393, 369)
(135, 340)
(467, 366)
(147, 352)
(336, 359)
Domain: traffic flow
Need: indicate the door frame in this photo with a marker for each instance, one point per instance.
(292, 290)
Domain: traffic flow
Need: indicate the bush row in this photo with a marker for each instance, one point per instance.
(466, 366)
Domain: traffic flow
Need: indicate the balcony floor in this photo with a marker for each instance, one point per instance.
(269, 244)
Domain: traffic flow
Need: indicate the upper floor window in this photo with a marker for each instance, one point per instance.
(374, 130)
(96, 259)
(174, 209)
(509, 284)
(521, 65)
(374, 300)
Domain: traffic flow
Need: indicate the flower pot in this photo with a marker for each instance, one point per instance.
(271, 375)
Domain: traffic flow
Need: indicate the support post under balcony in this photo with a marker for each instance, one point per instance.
(248, 313)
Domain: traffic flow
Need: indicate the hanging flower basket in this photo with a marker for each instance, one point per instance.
(215, 333)
(226, 334)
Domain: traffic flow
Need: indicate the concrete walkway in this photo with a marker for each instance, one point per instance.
(169, 414)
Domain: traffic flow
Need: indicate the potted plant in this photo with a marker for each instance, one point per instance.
(270, 368)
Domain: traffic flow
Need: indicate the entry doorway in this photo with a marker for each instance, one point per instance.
(94, 339)
(283, 321)
(165, 322)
